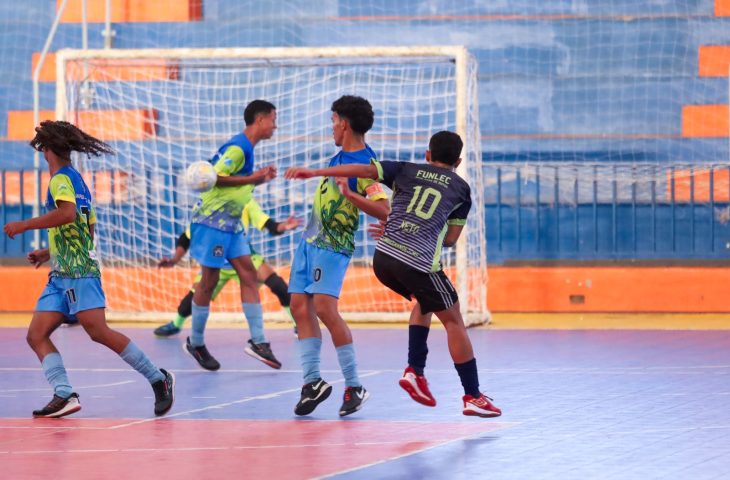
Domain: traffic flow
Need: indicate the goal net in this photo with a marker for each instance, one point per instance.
(164, 109)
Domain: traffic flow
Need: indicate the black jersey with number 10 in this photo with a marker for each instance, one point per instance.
(426, 199)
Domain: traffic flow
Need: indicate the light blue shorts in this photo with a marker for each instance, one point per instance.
(71, 295)
(211, 247)
(316, 270)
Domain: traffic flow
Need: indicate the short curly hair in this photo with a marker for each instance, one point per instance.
(357, 111)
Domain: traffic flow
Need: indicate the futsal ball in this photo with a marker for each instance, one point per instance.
(200, 176)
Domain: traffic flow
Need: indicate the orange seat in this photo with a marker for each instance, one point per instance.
(127, 11)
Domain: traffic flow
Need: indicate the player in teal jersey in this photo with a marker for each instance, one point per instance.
(254, 216)
(74, 283)
(217, 235)
(321, 260)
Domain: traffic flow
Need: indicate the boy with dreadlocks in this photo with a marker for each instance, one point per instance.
(74, 283)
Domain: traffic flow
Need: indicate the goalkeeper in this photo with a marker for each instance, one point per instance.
(252, 215)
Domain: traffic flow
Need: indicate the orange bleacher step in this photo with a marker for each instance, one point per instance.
(129, 11)
(138, 124)
(147, 70)
(704, 121)
(105, 186)
(722, 8)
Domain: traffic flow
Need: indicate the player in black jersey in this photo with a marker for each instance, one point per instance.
(428, 211)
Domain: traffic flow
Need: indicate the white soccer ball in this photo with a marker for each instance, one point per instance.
(200, 176)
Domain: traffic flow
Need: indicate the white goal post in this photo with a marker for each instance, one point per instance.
(162, 109)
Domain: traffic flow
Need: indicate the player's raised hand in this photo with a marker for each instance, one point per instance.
(166, 262)
(14, 228)
(376, 230)
(295, 173)
(38, 257)
(289, 224)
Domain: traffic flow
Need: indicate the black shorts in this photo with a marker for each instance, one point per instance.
(433, 291)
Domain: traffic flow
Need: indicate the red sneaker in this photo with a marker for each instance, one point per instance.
(417, 387)
(480, 407)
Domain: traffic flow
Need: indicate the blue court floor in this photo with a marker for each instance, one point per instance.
(577, 405)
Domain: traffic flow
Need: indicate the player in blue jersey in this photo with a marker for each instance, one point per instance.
(323, 254)
(429, 209)
(217, 235)
(254, 216)
(74, 283)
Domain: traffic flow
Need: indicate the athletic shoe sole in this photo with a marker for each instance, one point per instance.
(261, 359)
(415, 393)
(71, 407)
(474, 413)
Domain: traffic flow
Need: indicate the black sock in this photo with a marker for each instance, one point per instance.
(278, 287)
(417, 347)
(469, 377)
(185, 309)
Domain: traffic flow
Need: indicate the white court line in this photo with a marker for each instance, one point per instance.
(265, 396)
(75, 388)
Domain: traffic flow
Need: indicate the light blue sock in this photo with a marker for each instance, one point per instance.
(55, 373)
(348, 365)
(139, 361)
(200, 318)
(255, 317)
(309, 358)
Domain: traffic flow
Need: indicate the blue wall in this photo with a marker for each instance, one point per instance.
(561, 82)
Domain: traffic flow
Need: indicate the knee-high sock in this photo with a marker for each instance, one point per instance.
(255, 317)
(139, 361)
(469, 377)
(309, 349)
(200, 318)
(417, 347)
(348, 365)
(55, 373)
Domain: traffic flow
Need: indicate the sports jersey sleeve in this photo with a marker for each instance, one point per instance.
(62, 189)
(458, 216)
(92, 216)
(255, 215)
(370, 189)
(388, 171)
(232, 161)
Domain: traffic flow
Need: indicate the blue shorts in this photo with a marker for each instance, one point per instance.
(316, 270)
(71, 295)
(211, 247)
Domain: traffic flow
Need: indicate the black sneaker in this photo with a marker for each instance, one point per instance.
(202, 356)
(353, 399)
(59, 407)
(262, 352)
(167, 330)
(164, 393)
(312, 395)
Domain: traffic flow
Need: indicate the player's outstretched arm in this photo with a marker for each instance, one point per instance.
(379, 209)
(357, 171)
(63, 214)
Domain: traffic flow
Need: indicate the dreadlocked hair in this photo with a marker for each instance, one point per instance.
(63, 138)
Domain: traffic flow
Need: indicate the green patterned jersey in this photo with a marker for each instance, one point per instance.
(71, 246)
(221, 207)
(335, 219)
